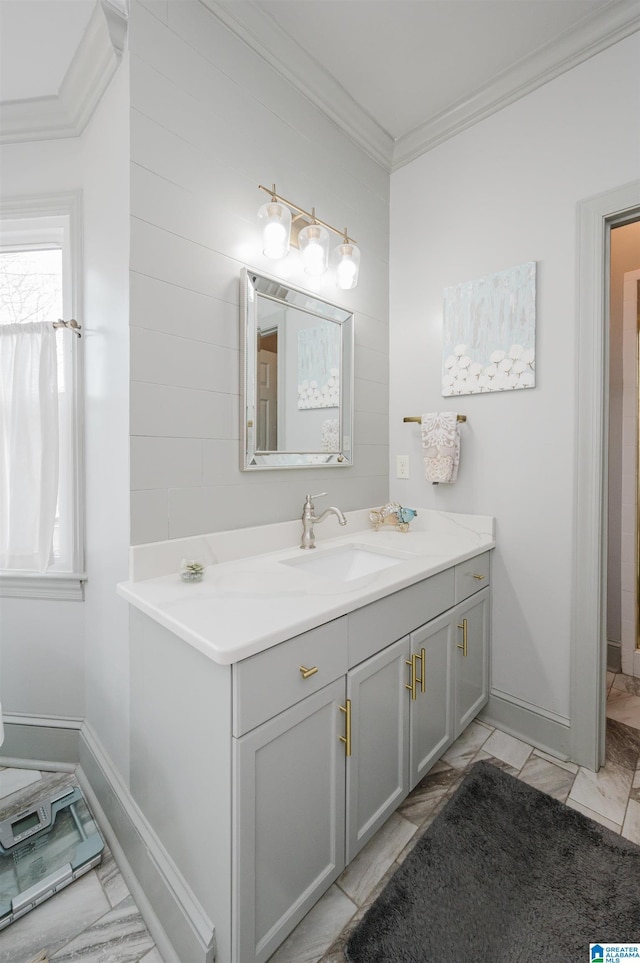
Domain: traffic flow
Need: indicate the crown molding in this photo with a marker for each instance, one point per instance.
(94, 64)
(617, 20)
(611, 23)
(257, 29)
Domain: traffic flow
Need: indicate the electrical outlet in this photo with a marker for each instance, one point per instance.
(402, 466)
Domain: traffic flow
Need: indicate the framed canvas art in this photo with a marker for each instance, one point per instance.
(489, 333)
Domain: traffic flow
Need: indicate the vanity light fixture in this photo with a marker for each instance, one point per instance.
(313, 242)
(283, 223)
(347, 258)
(275, 220)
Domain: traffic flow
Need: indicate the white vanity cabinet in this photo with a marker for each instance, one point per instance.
(378, 750)
(290, 818)
(264, 777)
(431, 695)
(471, 655)
(333, 728)
(288, 785)
(471, 660)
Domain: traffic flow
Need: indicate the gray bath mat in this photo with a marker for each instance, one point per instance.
(508, 874)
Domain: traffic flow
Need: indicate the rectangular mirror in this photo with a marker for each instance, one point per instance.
(297, 377)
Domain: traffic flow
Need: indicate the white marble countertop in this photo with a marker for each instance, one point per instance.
(249, 601)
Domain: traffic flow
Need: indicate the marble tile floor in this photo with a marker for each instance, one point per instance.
(611, 797)
(95, 919)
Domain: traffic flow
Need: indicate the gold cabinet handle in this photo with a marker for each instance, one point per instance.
(307, 673)
(411, 686)
(423, 670)
(346, 738)
(463, 645)
(479, 577)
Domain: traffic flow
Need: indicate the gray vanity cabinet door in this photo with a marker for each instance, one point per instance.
(377, 769)
(471, 662)
(431, 708)
(289, 833)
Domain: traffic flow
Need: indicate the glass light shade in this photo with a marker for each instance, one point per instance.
(275, 220)
(313, 242)
(347, 260)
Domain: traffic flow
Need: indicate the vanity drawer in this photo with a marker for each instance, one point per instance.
(271, 681)
(472, 575)
(379, 624)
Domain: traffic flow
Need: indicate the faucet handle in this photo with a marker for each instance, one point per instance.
(319, 495)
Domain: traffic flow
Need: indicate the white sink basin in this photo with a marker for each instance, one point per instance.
(344, 563)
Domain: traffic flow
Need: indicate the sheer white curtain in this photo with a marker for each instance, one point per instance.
(28, 445)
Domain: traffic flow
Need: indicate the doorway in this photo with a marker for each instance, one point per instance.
(623, 533)
(596, 217)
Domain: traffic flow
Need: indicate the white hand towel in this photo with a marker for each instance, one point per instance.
(441, 446)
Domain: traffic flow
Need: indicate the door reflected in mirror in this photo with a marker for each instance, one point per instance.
(297, 370)
(267, 407)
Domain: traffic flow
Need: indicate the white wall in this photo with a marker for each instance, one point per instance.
(105, 163)
(497, 195)
(41, 639)
(209, 122)
(68, 660)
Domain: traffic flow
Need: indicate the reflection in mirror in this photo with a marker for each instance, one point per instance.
(297, 369)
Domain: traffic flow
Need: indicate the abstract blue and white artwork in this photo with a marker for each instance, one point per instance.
(489, 333)
(319, 366)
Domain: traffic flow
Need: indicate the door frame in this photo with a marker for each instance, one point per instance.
(596, 216)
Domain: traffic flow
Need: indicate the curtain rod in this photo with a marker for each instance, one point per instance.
(73, 325)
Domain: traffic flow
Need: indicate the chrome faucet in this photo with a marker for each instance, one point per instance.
(309, 519)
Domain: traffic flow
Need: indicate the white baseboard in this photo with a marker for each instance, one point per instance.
(177, 922)
(540, 728)
(614, 656)
(30, 740)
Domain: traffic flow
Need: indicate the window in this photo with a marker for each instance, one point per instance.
(39, 284)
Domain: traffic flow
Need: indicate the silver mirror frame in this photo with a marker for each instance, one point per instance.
(254, 285)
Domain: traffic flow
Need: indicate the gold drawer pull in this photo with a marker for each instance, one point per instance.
(415, 681)
(463, 625)
(411, 686)
(479, 577)
(346, 738)
(307, 673)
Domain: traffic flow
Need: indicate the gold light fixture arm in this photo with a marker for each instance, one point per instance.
(312, 218)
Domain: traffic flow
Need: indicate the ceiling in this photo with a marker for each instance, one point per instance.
(398, 75)
(38, 39)
(404, 61)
